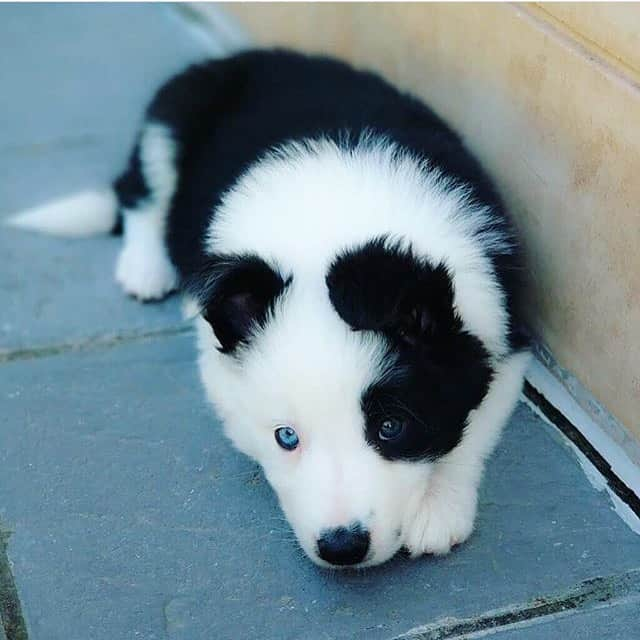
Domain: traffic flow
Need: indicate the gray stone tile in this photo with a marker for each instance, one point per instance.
(601, 604)
(63, 291)
(75, 81)
(134, 518)
(619, 622)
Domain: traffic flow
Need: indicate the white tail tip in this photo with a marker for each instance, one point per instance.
(87, 213)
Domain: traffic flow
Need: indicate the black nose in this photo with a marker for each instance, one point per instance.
(344, 545)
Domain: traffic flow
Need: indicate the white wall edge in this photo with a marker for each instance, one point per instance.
(224, 30)
(543, 381)
(593, 475)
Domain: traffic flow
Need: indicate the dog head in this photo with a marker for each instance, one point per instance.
(345, 390)
(345, 348)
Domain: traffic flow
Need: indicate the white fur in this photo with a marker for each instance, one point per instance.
(308, 370)
(298, 209)
(443, 513)
(158, 159)
(304, 204)
(144, 269)
(82, 214)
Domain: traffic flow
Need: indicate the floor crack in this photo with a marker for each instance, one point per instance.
(556, 418)
(11, 617)
(91, 343)
(589, 594)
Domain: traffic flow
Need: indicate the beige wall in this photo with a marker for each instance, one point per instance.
(613, 27)
(549, 98)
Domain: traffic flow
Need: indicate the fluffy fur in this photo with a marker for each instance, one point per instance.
(80, 215)
(354, 274)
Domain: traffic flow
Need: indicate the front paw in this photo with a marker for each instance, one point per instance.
(441, 520)
(145, 272)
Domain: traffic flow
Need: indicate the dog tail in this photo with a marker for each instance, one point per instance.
(83, 214)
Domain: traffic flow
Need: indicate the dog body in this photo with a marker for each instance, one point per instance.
(355, 277)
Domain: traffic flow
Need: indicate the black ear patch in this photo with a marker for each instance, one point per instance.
(382, 287)
(236, 294)
(441, 371)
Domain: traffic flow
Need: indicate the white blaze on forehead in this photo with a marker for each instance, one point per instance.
(315, 365)
(303, 205)
(306, 368)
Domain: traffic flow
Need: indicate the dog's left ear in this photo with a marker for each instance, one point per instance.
(236, 294)
(383, 287)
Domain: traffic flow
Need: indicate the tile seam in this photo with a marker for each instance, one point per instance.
(92, 343)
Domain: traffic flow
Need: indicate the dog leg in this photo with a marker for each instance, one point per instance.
(144, 269)
(444, 514)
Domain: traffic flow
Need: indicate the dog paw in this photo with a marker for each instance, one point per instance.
(441, 520)
(145, 272)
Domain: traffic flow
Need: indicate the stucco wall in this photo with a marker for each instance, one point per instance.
(551, 104)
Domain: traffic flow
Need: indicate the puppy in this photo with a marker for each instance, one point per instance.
(356, 282)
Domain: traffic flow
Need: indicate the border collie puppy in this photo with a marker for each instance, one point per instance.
(355, 277)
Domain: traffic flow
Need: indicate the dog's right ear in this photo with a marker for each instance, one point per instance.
(235, 294)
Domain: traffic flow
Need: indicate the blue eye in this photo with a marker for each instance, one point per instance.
(287, 438)
(390, 429)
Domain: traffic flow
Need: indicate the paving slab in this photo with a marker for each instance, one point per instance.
(133, 517)
(618, 622)
(600, 607)
(75, 79)
(130, 515)
(57, 291)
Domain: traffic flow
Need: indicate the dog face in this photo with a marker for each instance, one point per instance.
(345, 377)
(292, 399)
(345, 390)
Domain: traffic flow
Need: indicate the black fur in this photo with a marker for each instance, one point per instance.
(225, 114)
(381, 287)
(236, 294)
(442, 372)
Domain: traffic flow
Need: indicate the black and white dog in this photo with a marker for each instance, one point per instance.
(355, 277)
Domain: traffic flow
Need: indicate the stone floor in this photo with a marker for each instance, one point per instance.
(124, 513)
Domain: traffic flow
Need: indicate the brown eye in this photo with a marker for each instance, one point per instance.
(390, 429)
